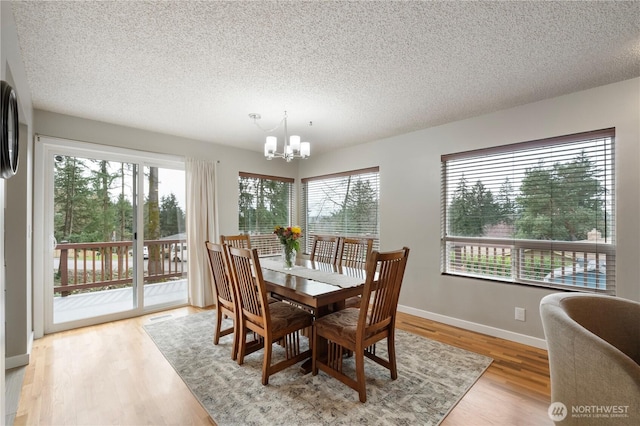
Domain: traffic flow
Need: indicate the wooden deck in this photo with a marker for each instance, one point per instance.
(79, 306)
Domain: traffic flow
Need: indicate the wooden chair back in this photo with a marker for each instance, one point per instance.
(250, 287)
(354, 252)
(379, 305)
(325, 248)
(222, 287)
(225, 296)
(238, 241)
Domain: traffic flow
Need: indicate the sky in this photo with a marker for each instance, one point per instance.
(170, 181)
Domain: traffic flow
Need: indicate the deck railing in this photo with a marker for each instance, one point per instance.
(86, 266)
(581, 266)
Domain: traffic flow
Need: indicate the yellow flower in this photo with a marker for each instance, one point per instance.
(296, 230)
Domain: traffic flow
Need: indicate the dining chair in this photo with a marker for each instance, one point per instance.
(354, 252)
(224, 294)
(238, 241)
(356, 331)
(277, 322)
(325, 248)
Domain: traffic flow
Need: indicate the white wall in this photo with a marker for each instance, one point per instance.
(18, 249)
(410, 202)
(16, 242)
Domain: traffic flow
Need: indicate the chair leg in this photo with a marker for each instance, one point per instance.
(266, 364)
(360, 377)
(391, 350)
(314, 351)
(234, 346)
(216, 335)
(242, 340)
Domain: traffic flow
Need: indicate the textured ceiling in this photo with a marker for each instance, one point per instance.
(358, 70)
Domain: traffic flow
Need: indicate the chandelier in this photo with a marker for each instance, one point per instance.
(293, 148)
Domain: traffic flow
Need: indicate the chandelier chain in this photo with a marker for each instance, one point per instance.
(256, 117)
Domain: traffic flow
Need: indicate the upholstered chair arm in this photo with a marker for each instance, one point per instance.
(588, 370)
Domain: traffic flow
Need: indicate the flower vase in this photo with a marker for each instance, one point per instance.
(288, 257)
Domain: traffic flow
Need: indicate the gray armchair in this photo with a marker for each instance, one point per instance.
(594, 357)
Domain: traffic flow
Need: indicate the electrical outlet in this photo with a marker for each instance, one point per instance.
(520, 314)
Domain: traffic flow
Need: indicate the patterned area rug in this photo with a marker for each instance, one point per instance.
(432, 378)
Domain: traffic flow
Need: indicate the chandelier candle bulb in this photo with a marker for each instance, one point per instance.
(294, 142)
(271, 144)
(305, 149)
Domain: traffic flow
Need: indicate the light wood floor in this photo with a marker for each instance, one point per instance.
(114, 374)
(515, 389)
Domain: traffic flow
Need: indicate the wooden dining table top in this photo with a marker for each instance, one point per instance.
(315, 294)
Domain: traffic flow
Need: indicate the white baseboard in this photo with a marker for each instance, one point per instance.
(478, 328)
(16, 361)
(22, 359)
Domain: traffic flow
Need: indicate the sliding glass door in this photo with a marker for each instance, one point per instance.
(112, 233)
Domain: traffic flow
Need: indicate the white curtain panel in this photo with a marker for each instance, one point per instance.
(202, 225)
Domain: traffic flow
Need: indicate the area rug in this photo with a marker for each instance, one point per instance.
(432, 378)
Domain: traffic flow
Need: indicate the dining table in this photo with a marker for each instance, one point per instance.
(319, 287)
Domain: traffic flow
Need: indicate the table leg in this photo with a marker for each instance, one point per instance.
(322, 343)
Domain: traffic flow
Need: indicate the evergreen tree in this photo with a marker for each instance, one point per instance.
(263, 204)
(245, 203)
(72, 195)
(506, 200)
(277, 203)
(472, 209)
(361, 208)
(536, 203)
(459, 209)
(563, 202)
(107, 217)
(171, 216)
(581, 206)
(123, 207)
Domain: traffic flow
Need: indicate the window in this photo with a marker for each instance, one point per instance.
(538, 213)
(341, 204)
(264, 202)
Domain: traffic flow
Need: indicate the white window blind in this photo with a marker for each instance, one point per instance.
(263, 203)
(538, 213)
(343, 204)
